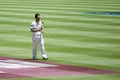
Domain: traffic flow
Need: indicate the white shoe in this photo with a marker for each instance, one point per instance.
(44, 57)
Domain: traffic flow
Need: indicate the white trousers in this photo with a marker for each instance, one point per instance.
(38, 39)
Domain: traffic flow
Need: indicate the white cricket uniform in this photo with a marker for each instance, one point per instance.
(37, 37)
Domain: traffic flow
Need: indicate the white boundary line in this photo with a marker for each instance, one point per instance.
(2, 72)
(16, 64)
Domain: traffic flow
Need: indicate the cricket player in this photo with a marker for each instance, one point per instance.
(37, 37)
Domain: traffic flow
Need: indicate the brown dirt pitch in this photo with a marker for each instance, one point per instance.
(18, 68)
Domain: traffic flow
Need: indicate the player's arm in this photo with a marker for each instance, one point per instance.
(36, 29)
(42, 27)
(32, 28)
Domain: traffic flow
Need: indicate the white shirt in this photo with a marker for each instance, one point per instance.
(36, 26)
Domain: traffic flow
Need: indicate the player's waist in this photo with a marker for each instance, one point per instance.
(37, 31)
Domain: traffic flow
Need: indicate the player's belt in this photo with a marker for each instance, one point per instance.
(37, 31)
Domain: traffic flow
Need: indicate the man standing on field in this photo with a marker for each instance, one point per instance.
(37, 37)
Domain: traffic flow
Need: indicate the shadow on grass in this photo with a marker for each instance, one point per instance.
(103, 13)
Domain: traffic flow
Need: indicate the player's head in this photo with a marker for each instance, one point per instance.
(37, 16)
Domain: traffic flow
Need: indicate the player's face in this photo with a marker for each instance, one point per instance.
(37, 18)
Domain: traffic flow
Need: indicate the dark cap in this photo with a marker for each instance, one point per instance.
(37, 15)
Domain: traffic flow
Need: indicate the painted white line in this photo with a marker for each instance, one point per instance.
(16, 64)
(2, 72)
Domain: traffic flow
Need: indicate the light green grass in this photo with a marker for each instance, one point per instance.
(71, 37)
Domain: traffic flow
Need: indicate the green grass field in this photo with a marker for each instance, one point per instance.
(71, 37)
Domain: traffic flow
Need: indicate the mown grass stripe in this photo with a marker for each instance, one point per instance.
(14, 19)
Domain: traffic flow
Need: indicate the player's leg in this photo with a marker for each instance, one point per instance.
(42, 47)
(34, 45)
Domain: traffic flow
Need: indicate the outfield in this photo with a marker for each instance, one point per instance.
(71, 36)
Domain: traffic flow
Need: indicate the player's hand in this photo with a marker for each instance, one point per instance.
(41, 31)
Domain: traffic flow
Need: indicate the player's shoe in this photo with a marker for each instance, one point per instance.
(35, 58)
(43, 58)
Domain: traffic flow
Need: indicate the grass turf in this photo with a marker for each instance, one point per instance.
(71, 37)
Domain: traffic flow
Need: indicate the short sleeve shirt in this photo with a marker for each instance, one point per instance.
(36, 26)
